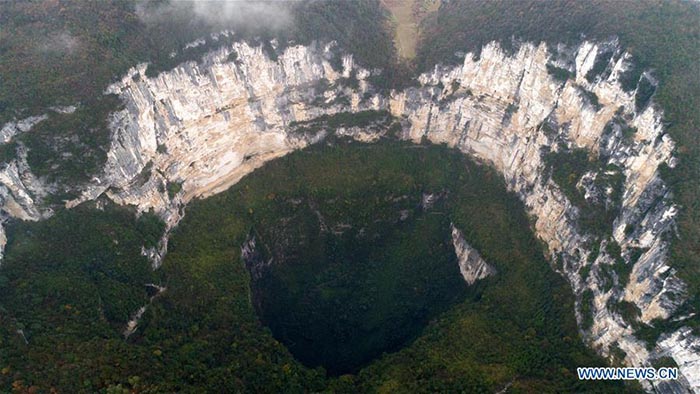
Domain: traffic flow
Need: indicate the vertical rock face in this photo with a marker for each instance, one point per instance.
(207, 125)
(497, 109)
(501, 108)
(471, 265)
(196, 130)
(20, 190)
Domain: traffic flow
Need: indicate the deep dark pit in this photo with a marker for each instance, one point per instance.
(338, 295)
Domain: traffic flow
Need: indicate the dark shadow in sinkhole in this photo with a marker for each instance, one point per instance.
(340, 296)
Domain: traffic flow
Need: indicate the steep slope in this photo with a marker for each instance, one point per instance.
(196, 130)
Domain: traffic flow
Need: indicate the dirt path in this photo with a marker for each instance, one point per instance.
(407, 15)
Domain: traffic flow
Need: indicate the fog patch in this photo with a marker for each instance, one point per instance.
(59, 43)
(225, 14)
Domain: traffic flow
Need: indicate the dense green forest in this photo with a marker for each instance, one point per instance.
(662, 35)
(339, 287)
(72, 293)
(67, 287)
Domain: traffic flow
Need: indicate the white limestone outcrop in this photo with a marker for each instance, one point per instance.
(471, 265)
(196, 130)
(20, 190)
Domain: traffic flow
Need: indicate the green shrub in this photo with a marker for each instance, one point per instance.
(559, 74)
(173, 189)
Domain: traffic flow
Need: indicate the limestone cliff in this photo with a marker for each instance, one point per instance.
(196, 130)
(501, 109)
(20, 190)
(471, 265)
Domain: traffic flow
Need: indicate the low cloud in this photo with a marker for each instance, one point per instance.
(59, 43)
(226, 14)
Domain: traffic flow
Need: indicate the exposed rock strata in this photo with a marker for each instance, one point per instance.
(471, 265)
(20, 193)
(206, 125)
(133, 323)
